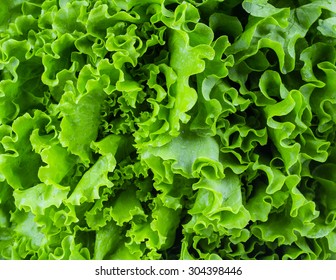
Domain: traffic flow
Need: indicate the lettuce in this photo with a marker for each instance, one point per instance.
(167, 129)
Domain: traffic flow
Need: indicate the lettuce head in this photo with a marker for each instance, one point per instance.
(167, 129)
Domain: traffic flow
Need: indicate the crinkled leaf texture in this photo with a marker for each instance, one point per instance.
(167, 129)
